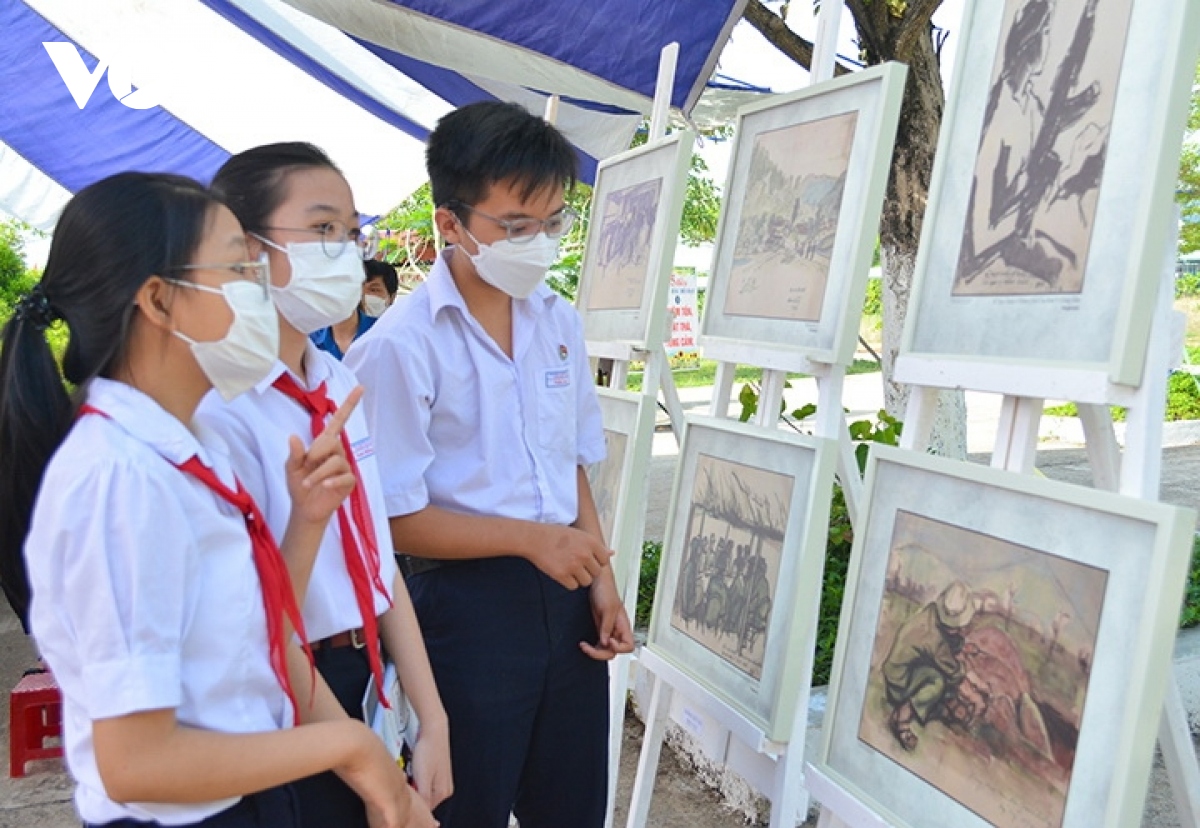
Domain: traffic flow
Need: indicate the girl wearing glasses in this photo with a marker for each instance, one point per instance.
(158, 598)
(298, 211)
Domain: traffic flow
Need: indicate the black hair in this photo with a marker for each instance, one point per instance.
(484, 143)
(377, 269)
(112, 236)
(253, 183)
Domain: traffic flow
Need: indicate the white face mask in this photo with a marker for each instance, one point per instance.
(374, 305)
(239, 360)
(516, 269)
(322, 291)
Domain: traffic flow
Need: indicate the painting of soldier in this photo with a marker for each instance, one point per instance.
(727, 582)
(1043, 147)
(980, 668)
(622, 251)
(789, 220)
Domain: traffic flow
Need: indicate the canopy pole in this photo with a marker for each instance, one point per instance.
(668, 58)
(551, 115)
(824, 56)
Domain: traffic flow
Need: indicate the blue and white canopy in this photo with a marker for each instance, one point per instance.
(93, 87)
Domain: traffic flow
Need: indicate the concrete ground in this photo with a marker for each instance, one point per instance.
(681, 800)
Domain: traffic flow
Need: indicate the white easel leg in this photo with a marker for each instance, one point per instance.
(652, 739)
(1174, 739)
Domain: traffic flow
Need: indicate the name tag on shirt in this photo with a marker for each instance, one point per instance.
(560, 378)
(363, 448)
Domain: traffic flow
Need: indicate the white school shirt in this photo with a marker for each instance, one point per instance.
(256, 426)
(145, 594)
(459, 425)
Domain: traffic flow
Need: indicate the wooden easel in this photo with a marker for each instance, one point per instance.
(1136, 473)
(787, 791)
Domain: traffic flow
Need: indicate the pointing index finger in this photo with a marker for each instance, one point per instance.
(329, 440)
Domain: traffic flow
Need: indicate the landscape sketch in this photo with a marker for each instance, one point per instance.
(621, 256)
(1043, 147)
(733, 547)
(980, 667)
(789, 219)
(605, 480)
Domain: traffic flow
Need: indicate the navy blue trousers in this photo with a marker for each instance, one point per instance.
(273, 808)
(528, 710)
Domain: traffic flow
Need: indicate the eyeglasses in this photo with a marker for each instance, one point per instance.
(335, 236)
(523, 230)
(258, 272)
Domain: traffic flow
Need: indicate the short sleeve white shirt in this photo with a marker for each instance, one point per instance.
(459, 425)
(256, 426)
(145, 593)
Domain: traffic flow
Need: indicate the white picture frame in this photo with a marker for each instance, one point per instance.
(799, 220)
(637, 206)
(1064, 603)
(762, 498)
(618, 482)
(1050, 208)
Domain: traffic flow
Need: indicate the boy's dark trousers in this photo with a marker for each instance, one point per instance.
(528, 710)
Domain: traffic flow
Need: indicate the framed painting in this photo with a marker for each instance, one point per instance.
(740, 576)
(800, 217)
(1050, 210)
(1003, 649)
(618, 481)
(637, 205)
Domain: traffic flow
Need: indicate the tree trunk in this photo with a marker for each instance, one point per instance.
(886, 38)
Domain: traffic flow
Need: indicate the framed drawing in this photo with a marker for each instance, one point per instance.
(1004, 647)
(800, 216)
(1050, 210)
(637, 205)
(619, 481)
(740, 575)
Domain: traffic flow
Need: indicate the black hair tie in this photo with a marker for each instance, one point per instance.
(36, 309)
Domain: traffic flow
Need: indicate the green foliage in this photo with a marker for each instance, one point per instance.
(1190, 616)
(1183, 401)
(873, 301)
(1188, 192)
(647, 583)
(1188, 284)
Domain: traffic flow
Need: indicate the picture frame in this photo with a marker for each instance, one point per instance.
(1004, 647)
(740, 575)
(799, 219)
(618, 482)
(637, 206)
(1049, 225)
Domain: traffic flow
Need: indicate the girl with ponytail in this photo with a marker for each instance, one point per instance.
(154, 589)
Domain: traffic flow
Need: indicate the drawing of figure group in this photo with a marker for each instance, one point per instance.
(628, 225)
(725, 590)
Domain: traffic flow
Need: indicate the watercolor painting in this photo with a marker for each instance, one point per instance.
(980, 668)
(622, 254)
(789, 219)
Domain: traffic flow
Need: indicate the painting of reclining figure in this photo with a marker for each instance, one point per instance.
(980, 668)
(733, 549)
(789, 219)
(1043, 147)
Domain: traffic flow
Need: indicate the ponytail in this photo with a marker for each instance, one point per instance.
(112, 236)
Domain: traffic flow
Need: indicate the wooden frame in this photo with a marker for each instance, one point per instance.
(1051, 200)
(799, 219)
(1020, 632)
(740, 576)
(637, 206)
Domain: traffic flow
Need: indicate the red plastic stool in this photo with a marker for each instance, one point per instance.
(34, 715)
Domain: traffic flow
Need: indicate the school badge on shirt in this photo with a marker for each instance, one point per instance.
(563, 353)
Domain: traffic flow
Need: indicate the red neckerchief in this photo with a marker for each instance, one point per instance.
(362, 567)
(278, 597)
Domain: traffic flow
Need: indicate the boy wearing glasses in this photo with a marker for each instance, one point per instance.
(479, 398)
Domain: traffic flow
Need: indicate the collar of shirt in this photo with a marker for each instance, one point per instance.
(316, 368)
(140, 416)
